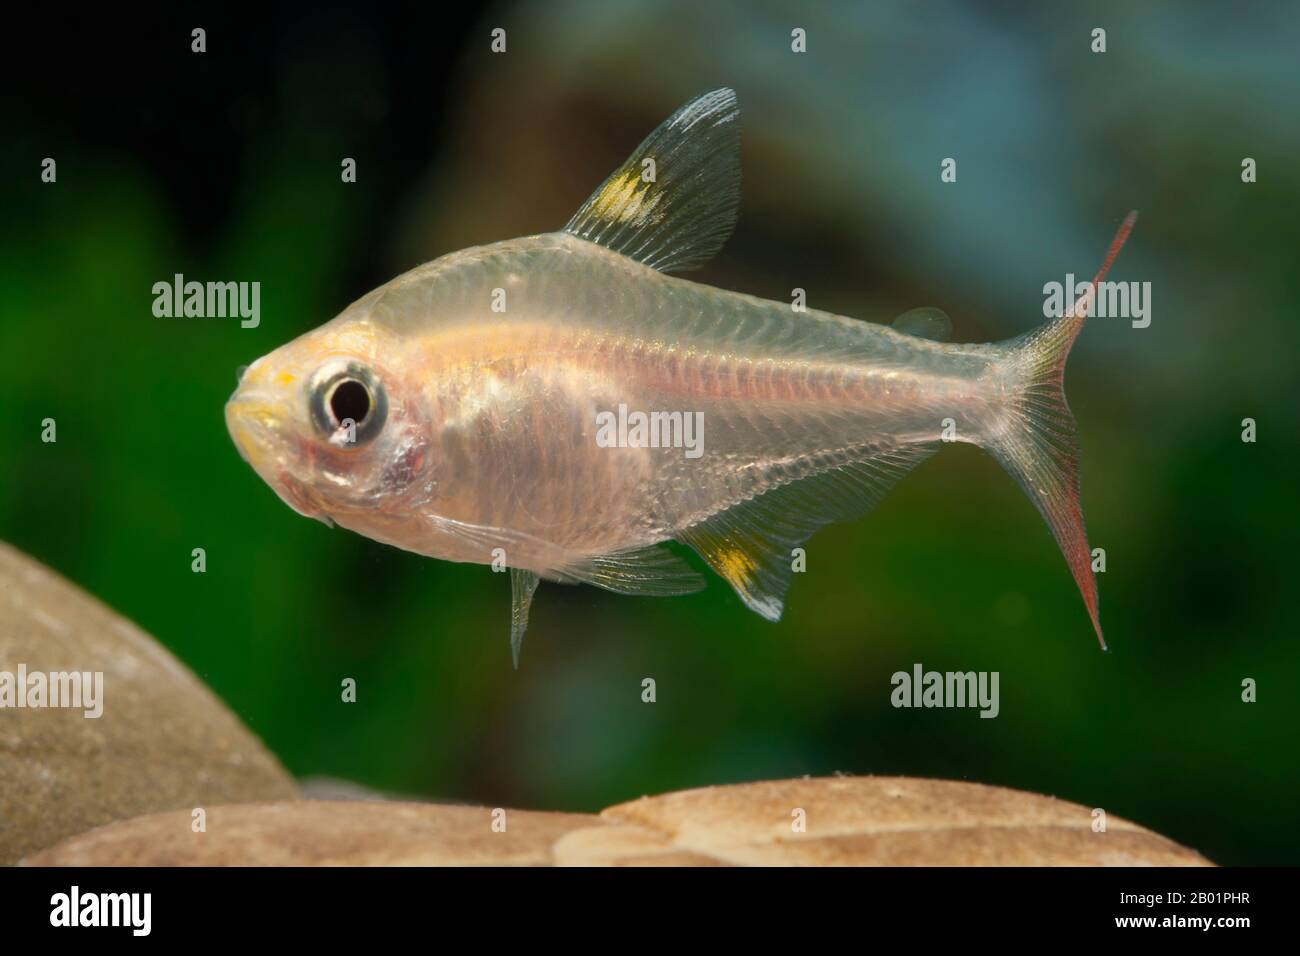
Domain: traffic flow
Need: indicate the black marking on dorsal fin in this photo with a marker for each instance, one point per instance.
(674, 202)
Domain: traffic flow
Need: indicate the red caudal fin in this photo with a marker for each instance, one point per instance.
(1040, 445)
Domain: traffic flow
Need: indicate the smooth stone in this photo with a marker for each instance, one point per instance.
(869, 821)
(849, 821)
(325, 833)
(163, 742)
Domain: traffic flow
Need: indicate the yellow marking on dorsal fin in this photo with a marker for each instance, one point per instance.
(623, 198)
(673, 203)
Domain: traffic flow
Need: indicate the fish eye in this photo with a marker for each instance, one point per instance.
(348, 405)
(349, 399)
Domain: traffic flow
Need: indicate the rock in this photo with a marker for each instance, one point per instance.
(865, 821)
(324, 833)
(334, 788)
(163, 741)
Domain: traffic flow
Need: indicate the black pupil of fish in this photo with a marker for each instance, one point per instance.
(350, 400)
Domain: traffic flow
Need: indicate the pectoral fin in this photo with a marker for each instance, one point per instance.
(523, 585)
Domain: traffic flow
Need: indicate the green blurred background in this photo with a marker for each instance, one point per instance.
(225, 166)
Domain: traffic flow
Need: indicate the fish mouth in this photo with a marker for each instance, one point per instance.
(252, 420)
(256, 427)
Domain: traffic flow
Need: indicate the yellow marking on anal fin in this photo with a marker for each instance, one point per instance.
(734, 565)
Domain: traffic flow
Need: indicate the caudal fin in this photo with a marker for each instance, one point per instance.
(1041, 447)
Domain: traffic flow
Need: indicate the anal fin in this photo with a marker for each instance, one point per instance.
(749, 544)
(652, 571)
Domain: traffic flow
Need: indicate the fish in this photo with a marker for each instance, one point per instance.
(563, 406)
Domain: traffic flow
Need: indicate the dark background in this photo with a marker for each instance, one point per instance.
(225, 166)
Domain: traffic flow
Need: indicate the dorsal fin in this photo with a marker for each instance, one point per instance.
(674, 202)
(925, 323)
